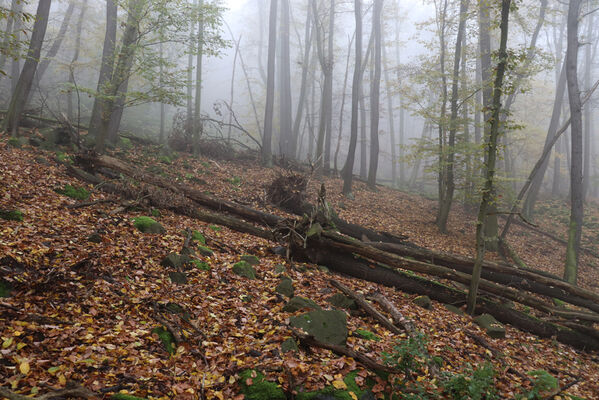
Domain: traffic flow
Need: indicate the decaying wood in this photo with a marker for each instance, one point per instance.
(344, 351)
(366, 306)
(397, 316)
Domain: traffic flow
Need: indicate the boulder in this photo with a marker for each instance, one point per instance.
(424, 302)
(178, 277)
(242, 268)
(148, 225)
(289, 345)
(339, 300)
(454, 309)
(493, 328)
(252, 260)
(286, 287)
(298, 303)
(327, 326)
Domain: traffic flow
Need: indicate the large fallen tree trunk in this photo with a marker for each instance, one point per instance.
(320, 252)
(524, 279)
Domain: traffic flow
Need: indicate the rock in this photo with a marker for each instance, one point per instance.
(254, 386)
(327, 326)
(148, 225)
(242, 268)
(252, 260)
(14, 142)
(280, 269)
(324, 269)
(74, 192)
(289, 345)
(254, 353)
(339, 300)
(299, 303)
(95, 238)
(173, 260)
(424, 302)
(41, 160)
(279, 250)
(286, 287)
(35, 142)
(454, 309)
(178, 277)
(205, 251)
(202, 266)
(11, 215)
(5, 288)
(493, 328)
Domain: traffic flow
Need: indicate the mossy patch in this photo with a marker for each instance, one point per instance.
(493, 328)
(300, 303)
(351, 392)
(254, 386)
(198, 237)
(244, 269)
(178, 277)
(289, 345)
(122, 396)
(328, 326)
(424, 302)
(11, 215)
(147, 225)
(201, 265)
(14, 142)
(5, 288)
(285, 287)
(364, 334)
(124, 143)
(174, 260)
(156, 213)
(252, 260)
(205, 251)
(339, 300)
(167, 339)
(74, 192)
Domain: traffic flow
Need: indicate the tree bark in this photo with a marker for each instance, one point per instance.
(375, 86)
(21, 93)
(270, 86)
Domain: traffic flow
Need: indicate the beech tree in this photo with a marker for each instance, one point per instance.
(270, 86)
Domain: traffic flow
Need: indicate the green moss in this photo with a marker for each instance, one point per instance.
(363, 333)
(74, 192)
(255, 387)
(14, 142)
(198, 237)
(156, 213)
(11, 215)
(252, 260)
(124, 143)
(201, 265)
(166, 160)
(244, 269)
(215, 228)
(121, 396)
(205, 251)
(147, 225)
(5, 288)
(64, 158)
(167, 339)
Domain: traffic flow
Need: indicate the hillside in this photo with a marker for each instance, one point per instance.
(89, 295)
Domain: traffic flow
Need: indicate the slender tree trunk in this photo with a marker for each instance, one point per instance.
(331, 62)
(576, 173)
(375, 86)
(232, 96)
(363, 140)
(304, 84)
(491, 150)
(74, 61)
(348, 169)
(343, 96)
(285, 118)
(270, 86)
(449, 184)
(49, 57)
(11, 20)
(587, 111)
(189, 98)
(197, 122)
(21, 92)
(391, 119)
(106, 68)
(15, 67)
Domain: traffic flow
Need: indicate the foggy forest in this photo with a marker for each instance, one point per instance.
(299, 199)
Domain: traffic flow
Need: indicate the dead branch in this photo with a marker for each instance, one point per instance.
(72, 390)
(397, 316)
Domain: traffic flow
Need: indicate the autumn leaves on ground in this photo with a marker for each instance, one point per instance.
(90, 299)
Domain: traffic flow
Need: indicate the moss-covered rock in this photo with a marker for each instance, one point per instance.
(74, 192)
(280, 269)
(205, 251)
(289, 345)
(339, 300)
(493, 328)
(11, 215)
(5, 288)
(148, 225)
(252, 260)
(454, 309)
(254, 386)
(424, 302)
(95, 238)
(300, 303)
(201, 265)
(14, 142)
(328, 326)
(167, 339)
(285, 287)
(244, 269)
(174, 260)
(178, 277)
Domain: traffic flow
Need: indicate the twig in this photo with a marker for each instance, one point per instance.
(343, 351)
(75, 390)
(90, 203)
(156, 315)
(561, 390)
(397, 316)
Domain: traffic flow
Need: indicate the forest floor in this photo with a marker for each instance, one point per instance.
(84, 312)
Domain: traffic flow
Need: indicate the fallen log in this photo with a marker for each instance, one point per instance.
(524, 279)
(347, 264)
(398, 317)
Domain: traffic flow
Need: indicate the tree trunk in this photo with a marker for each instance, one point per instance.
(270, 86)
(391, 120)
(11, 21)
(587, 111)
(449, 154)
(304, 84)
(106, 68)
(115, 90)
(74, 61)
(576, 177)
(197, 123)
(343, 95)
(491, 156)
(21, 93)
(348, 169)
(285, 119)
(375, 86)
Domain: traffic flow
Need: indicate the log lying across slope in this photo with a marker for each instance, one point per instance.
(386, 263)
